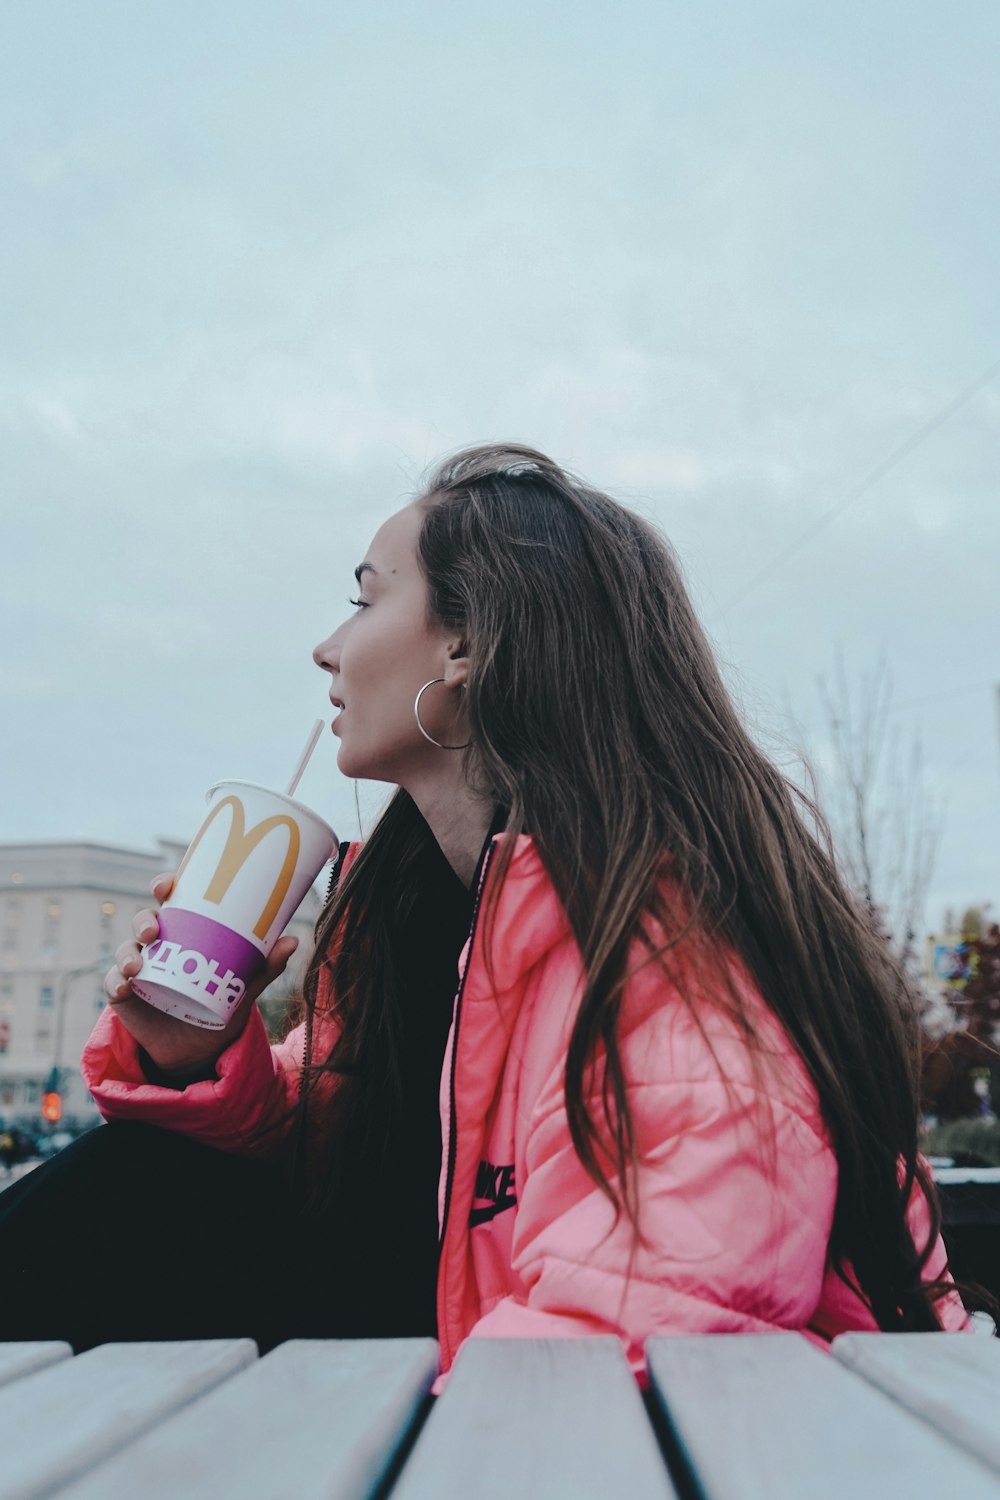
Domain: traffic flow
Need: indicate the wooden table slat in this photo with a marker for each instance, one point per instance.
(316, 1419)
(539, 1419)
(17, 1360)
(760, 1415)
(60, 1421)
(950, 1380)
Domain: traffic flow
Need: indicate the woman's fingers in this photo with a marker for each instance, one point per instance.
(128, 961)
(128, 957)
(274, 965)
(278, 958)
(144, 923)
(124, 952)
(118, 982)
(282, 952)
(145, 926)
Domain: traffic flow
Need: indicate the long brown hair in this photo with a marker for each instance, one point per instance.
(599, 718)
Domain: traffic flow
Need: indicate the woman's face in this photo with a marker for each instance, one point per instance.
(380, 658)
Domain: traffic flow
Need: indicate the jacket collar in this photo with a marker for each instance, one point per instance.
(523, 920)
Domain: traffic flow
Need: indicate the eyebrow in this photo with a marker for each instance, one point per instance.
(364, 567)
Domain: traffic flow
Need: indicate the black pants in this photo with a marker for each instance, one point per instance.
(134, 1232)
(971, 1229)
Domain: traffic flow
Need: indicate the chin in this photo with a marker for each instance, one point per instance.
(346, 764)
(360, 768)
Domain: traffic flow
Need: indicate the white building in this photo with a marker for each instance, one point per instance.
(64, 909)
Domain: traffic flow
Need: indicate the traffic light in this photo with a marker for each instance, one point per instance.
(52, 1107)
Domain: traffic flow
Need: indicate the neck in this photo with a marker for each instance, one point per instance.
(458, 819)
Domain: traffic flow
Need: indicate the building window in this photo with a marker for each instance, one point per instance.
(50, 932)
(46, 997)
(31, 1092)
(11, 923)
(43, 1039)
(4, 1037)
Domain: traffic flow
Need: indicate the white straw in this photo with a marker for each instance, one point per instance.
(311, 743)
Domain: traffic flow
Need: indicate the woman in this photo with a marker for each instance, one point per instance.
(591, 977)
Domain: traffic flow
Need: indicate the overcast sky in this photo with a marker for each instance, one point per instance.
(261, 264)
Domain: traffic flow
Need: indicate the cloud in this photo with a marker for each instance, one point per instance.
(258, 276)
(663, 468)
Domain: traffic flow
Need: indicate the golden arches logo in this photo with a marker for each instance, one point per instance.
(239, 846)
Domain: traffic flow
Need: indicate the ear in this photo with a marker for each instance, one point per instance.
(455, 670)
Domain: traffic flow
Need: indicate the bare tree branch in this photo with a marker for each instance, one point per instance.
(886, 829)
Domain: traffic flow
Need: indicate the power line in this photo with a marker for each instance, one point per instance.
(871, 478)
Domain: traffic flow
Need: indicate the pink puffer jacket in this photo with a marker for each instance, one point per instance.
(735, 1237)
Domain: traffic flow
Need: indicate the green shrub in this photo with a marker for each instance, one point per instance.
(973, 1143)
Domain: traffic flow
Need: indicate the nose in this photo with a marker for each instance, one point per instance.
(327, 654)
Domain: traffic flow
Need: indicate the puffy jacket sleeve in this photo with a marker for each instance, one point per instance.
(255, 1084)
(726, 1248)
(737, 1190)
(254, 1087)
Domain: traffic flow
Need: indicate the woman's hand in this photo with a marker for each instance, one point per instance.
(176, 1046)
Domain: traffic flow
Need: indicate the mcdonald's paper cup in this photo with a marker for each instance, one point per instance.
(241, 881)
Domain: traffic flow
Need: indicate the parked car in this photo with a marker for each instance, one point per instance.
(16, 1146)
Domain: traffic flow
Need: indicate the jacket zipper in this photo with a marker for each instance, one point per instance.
(452, 1133)
(335, 871)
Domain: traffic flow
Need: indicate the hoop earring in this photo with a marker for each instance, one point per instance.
(423, 731)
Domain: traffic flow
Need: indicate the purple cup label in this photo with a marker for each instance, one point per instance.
(170, 961)
(201, 959)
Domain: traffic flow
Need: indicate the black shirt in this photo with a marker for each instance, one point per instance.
(384, 1227)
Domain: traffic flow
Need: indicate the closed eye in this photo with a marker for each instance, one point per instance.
(358, 603)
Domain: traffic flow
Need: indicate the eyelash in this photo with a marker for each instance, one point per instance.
(358, 603)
